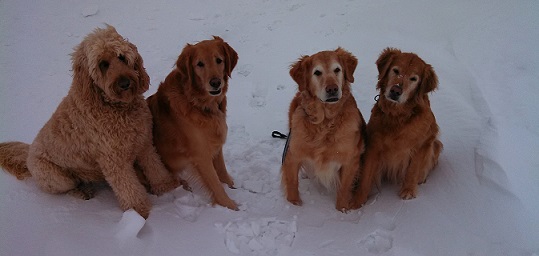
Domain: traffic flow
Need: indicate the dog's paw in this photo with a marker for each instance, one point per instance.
(83, 191)
(408, 193)
(230, 204)
(295, 201)
(143, 208)
(169, 185)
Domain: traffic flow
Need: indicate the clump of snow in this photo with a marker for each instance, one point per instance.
(130, 225)
(90, 10)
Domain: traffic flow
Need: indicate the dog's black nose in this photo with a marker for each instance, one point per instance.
(395, 92)
(215, 83)
(332, 90)
(124, 83)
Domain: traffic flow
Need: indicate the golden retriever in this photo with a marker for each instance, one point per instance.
(100, 130)
(189, 114)
(403, 143)
(326, 127)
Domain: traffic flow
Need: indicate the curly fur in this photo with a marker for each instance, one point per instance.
(100, 131)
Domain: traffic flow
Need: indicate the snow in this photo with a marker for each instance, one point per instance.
(130, 225)
(480, 200)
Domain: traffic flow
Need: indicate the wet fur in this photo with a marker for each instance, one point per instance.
(327, 138)
(190, 126)
(403, 145)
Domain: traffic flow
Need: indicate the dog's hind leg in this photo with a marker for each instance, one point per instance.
(50, 177)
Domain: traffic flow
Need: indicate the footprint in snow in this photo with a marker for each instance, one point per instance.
(265, 236)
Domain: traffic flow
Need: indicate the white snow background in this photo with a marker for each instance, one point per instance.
(482, 199)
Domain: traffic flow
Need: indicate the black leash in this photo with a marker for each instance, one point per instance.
(279, 135)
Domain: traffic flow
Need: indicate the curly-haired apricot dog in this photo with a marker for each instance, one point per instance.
(189, 114)
(327, 129)
(403, 143)
(100, 130)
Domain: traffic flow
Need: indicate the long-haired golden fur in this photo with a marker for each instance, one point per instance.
(100, 131)
(403, 145)
(327, 130)
(189, 113)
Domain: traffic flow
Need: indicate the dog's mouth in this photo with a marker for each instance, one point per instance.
(215, 92)
(332, 99)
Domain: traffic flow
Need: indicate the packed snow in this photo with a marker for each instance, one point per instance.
(482, 198)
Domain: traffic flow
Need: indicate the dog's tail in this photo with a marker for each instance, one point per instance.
(13, 157)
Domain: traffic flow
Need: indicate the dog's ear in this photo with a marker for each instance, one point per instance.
(144, 78)
(81, 73)
(297, 72)
(184, 64)
(349, 62)
(429, 81)
(231, 56)
(384, 60)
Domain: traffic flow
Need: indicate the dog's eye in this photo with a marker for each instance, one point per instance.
(103, 65)
(396, 71)
(317, 73)
(200, 64)
(337, 70)
(121, 57)
(219, 60)
(413, 78)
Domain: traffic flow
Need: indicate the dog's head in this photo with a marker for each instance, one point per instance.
(403, 76)
(325, 74)
(106, 61)
(207, 66)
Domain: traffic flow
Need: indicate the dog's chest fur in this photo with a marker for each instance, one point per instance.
(324, 147)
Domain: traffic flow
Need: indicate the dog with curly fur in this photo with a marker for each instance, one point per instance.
(100, 132)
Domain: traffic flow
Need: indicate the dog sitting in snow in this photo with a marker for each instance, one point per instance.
(403, 143)
(100, 130)
(327, 130)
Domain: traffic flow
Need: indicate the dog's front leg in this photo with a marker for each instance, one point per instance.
(367, 174)
(208, 174)
(417, 168)
(344, 194)
(290, 171)
(121, 176)
(219, 164)
(160, 179)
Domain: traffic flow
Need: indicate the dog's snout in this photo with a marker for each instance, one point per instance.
(124, 83)
(332, 89)
(215, 83)
(396, 90)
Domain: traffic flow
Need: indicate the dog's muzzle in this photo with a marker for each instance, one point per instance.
(332, 93)
(395, 92)
(215, 84)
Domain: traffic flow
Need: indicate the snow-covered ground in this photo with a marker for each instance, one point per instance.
(482, 199)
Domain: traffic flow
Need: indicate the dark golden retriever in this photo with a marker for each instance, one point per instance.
(189, 113)
(403, 143)
(100, 131)
(326, 127)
